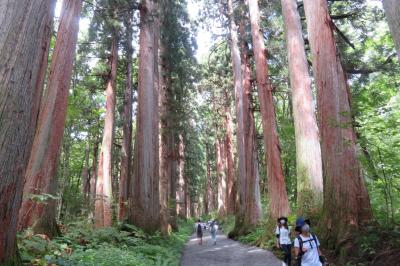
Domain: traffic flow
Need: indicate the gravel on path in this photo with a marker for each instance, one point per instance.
(226, 252)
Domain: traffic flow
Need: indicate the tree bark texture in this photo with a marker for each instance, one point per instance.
(219, 155)
(230, 165)
(126, 158)
(145, 203)
(24, 38)
(104, 194)
(392, 11)
(45, 153)
(308, 150)
(253, 198)
(278, 199)
(344, 184)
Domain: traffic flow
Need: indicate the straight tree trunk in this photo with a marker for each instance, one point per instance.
(165, 138)
(93, 178)
(86, 175)
(126, 158)
(173, 181)
(240, 225)
(103, 212)
(344, 184)
(208, 197)
(392, 11)
(45, 153)
(230, 165)
(24, 40)
(180, 190)
(145, 203)
(308, 150)
(253, 201)
(221, 177)
(249, 206)
(278, 199)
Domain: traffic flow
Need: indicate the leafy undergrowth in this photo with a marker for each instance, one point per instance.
(126, 245)
(375, 246)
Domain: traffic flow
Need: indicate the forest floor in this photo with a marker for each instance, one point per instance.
(226, 252)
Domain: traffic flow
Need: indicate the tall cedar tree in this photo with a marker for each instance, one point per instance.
(248, 209)
(126, 158)
(144, 196)
(41, 171)
(166, 146)
(278, 199)
(230, 164)
(26, 27)
(344, 184)
(219, 155)
(308, 149)
(392, 10)
(252, 187)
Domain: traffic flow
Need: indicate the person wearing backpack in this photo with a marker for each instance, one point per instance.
(306, 246)
(283, 239)
(199, 231)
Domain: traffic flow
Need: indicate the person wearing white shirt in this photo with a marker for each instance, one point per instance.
(306, 246)
(283, 239)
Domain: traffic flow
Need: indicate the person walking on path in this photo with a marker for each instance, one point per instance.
(283, 239)
(306, 246)
(199, 230)
(213, 230)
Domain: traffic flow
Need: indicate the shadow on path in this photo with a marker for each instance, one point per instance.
(226, 252)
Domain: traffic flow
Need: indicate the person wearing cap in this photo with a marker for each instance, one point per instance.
(283, 239)
(306, 245)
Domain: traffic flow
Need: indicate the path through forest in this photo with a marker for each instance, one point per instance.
(226, 252)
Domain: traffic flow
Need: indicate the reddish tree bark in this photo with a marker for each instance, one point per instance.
(253, 201)
(308, 150)
(230, 165)
(104, 196)
(278, 200)
(145, 204)
(42, 166)
(166, 146)
(181, 202)
(219, 155)
(23, 45)
(249, 208)
(126, 158)
(208, 195)
(344, 184)
(392, 11)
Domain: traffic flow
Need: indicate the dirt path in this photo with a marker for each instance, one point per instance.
(226, 252)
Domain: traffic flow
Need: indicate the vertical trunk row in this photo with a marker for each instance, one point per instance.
(308, 150)
(181, 184)
(103, 213)
(230, 166)
(86, 175)
(23, 46)
(343, 184)
(126, 158)
(219, 150)
(41, 170)
(165, 138)
(144, 203)
(238, 86)
(278, 199)
(253, 201)
(392, 11)
(93, 176)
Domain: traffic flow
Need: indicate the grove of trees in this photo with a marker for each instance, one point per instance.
(108, 116)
